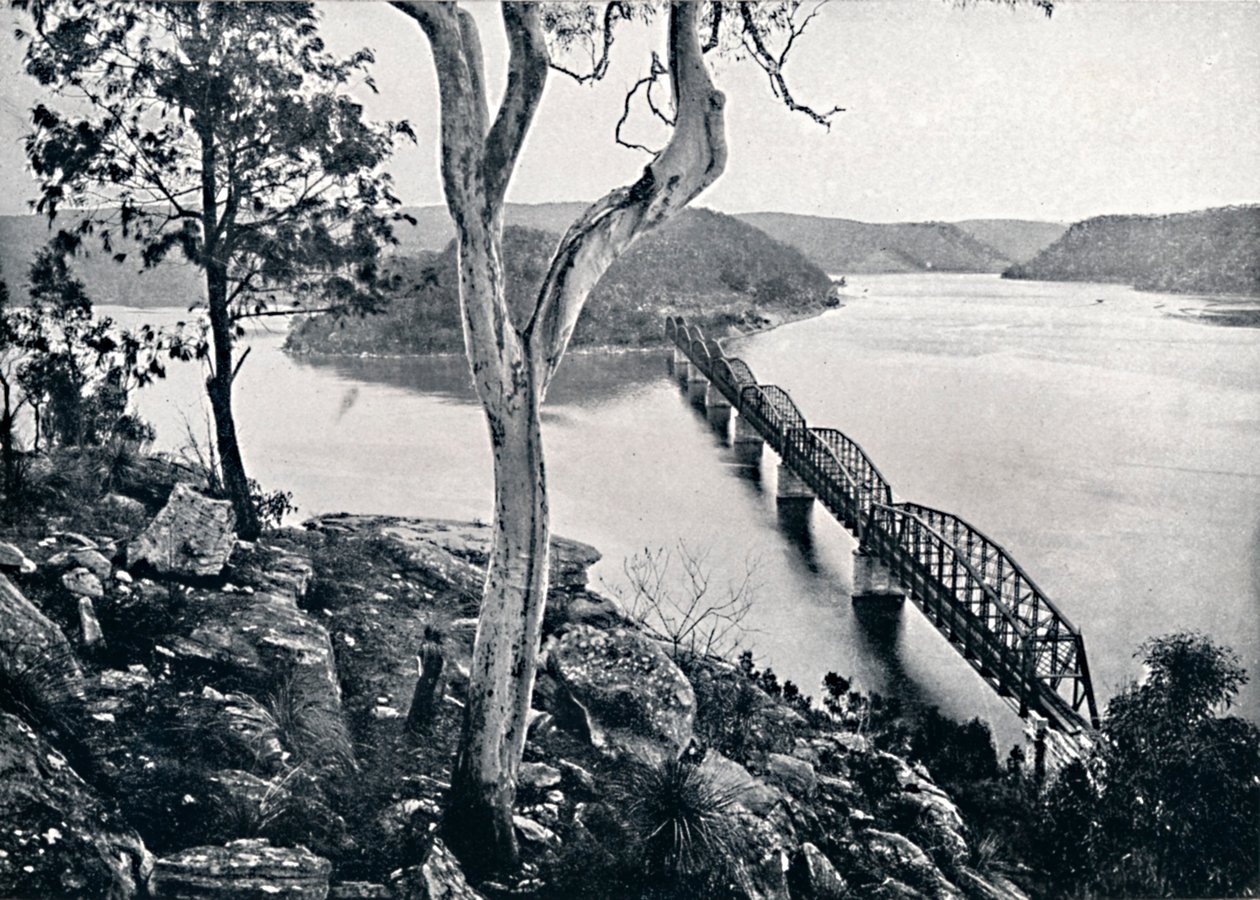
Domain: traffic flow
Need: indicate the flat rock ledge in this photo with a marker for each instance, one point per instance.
(458, 549)
(248, 869)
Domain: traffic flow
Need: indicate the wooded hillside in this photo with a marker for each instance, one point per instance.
(1209, 251)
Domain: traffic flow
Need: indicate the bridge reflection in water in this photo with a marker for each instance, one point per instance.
(967, 585)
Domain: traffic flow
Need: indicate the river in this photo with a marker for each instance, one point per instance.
(1112, 448)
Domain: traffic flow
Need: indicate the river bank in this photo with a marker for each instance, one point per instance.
(754, 324)
(262, 722)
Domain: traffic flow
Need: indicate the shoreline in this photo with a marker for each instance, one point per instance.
(588, 350)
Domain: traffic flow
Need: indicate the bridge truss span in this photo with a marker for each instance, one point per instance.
(971, 589)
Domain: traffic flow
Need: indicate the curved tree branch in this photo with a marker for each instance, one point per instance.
(692, 160)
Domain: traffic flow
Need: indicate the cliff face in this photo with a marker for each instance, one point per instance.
(1210, 251)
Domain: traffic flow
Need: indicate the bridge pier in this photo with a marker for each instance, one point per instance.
(714, 398)
(697, 386)
(677, 360)
(747, 442)
(719, 419)
(873, 581)
(792, 487)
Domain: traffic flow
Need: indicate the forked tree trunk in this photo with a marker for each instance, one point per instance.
(513, 361)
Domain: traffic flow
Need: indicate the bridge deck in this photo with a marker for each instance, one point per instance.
(966, 584)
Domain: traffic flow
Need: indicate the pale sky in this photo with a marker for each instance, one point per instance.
(953, 112)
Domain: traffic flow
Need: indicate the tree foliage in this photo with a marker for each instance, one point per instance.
(222, 132)
(1169, 803)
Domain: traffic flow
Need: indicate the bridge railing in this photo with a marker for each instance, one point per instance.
(1032, 660)
(770, 410)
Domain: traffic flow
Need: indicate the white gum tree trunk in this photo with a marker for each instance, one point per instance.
(513, 361)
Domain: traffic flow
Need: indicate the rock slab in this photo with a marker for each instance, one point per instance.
(191, 536)
(633, 697)
(248, 869)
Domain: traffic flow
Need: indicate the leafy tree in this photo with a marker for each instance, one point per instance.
(1169, 803)
(221, 131)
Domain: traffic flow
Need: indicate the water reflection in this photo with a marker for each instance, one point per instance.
(795, 518)
(586, 379)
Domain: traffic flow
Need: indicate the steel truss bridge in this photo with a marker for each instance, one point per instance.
(968, 586)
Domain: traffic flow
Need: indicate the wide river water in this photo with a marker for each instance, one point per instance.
(1112, 448)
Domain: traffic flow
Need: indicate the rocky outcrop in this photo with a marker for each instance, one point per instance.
(13, 560)
(439, 877)
(813, 877)
(57, 839)
(444, 544)
(906, 861)
(241, 870)
(264, 640)
(191, 536)
(630, 694)
(34, 650)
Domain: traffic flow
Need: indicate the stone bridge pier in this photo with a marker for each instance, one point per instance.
(873, 582)
(747, 443)
(792, 488)
(697, 385)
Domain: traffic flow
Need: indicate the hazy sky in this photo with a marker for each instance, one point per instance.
(953, 112)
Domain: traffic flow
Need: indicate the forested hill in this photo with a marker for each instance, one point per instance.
(845, 246)
(1210, 251)
(709, 267)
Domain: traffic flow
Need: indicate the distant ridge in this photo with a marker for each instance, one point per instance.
(1019, 240)
(1209, 251)
(846, 246)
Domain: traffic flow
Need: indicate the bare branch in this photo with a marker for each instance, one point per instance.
(754, 41)
(650, 80)
(612, 13)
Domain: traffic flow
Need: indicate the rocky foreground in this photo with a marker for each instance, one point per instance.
(183, 715)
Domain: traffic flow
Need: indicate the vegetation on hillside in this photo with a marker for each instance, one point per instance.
(1209, 251)
(711, 268)
(843, 246)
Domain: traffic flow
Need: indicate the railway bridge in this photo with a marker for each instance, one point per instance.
(970, 588)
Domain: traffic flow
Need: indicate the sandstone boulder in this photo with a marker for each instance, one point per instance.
(733, 780)
(242, 870)
(813, 877)
(797, 775)
(12, 559)
(191, 536)
(57, 839)
(439, 877)
(34, 649)
(630, 694)
(83, 583)
(92, 560)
